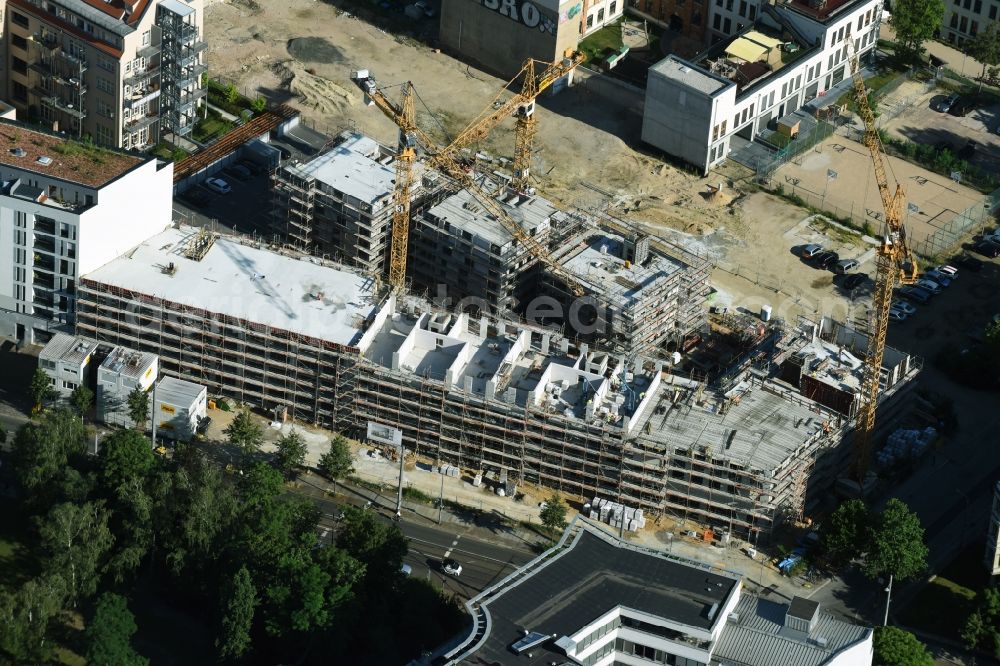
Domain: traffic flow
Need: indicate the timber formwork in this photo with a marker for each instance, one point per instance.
(258, 365)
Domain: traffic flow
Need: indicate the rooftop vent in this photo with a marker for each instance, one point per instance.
(18, 152)
(44, 160)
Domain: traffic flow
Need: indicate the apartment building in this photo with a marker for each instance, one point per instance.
(789, 55)
(599, 13)
(125, 73)
(965, 18)
(339, 204)
(594, 600)
(687, 17)
(65, 209)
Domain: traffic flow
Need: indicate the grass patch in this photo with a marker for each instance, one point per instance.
(846, 236)
(211, 126)
(168, 152)
(608, 37)
(943, 606)
(417, 495)
(70, 148)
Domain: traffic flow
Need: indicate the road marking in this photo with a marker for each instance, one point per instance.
(480, 556)
(454, 543)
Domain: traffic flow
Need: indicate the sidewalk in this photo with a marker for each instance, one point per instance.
(953, 59)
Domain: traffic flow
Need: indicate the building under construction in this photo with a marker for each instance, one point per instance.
(510, 401)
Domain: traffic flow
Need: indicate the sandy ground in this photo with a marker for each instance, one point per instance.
(303, 51)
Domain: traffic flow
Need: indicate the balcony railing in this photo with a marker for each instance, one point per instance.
(148, 51)
(136, 124)
(65, 106)
(79, 62)
(142, 97)
(138, 77)
(46, 43)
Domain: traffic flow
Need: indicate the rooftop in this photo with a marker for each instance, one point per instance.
(690, 75)
(353, 168)
(820, 9)
(464, 212)
(68, 349)
(756, 426)
(595, 575)
(753, 55)
(128, 362)
(301, 295)
(22, 148)
(760, 636)
(178, 392)
(599, 265)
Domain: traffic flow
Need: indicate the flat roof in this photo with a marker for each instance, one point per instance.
(296, 294)
(690, 75)
(463, 211)
(178, 392)
(351, 168)
(67, 348)
(599, 265)
(128, 362)
(760, 429)
(70, 160)
(759, 637)
(593, 576)
(177, 7)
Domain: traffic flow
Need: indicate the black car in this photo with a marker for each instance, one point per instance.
(284, 152)
(962, 106)
(987, 249)
(967, 262)
(826, 259)
(855, 280)
(198, 197)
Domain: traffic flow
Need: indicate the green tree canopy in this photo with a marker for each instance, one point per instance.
(76, 539)
(982, 628)
(42, 451)
(896, 543)
(81, 399)
(138, 407)
(125, 455)
(337, 463)
(896, 647)
(239, 600)
(40, 389)
(109, 633)
(245, 433)
(25, 614)
(291, 452)
(844, 534)
(553, 514)
(985, 48)
(369, 539)
(914, 21)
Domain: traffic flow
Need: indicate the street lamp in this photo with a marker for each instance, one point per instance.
(670, 543)
(888, 597)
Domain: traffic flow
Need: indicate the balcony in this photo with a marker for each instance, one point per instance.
(44, 262)
(46, 43)
(139, 77)
(45, 244)
(148, 51)
(142, 96)
(79, 63)
(69, 108)
(136, 124)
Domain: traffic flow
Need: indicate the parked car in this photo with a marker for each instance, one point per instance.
(968, 262)
(904, 306)
(218, 186)
(811, 250)
(987, 249)
(855, 280)
(944, 106)
(845, 266)
(252, 167)
(284, 152)
(939, 277)
(992, 236)
(950, 271)
(962, 106)
(914, 293)
(197, 197)
(897, 315)
(406, 569)
(451, 567)
(239, 172)
(929, 285)
(426, 8)
(826, 259)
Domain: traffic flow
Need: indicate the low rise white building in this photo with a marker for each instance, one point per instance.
(789, 55)
(122, 371)
(179, 406)
(67, 208)
(66, 359)
(600, 13)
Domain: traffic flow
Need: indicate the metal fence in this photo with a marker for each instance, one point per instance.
(765, 167)
(948, 238)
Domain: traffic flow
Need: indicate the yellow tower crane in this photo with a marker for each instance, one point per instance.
(445, 160)
(894, 263)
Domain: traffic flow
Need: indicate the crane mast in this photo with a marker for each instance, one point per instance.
(894, 262)
(445, 161)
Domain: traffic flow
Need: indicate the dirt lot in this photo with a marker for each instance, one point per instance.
(303, 51)
(853, 192)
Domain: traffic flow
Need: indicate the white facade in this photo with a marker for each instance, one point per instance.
(692, 114)
(66, 359)
(966, 18)
(122, 371)
(178, 407)
(600, 13)
(54, 229)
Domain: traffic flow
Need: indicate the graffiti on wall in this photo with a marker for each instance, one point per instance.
(570, 13)
(524, 12)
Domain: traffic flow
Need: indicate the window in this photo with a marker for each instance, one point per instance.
(743, 7)
(696, 18)
(19, 41)
(104, 84)
(723, 130)
(753, 13)
(145, 38)
(19, 19)
(978, 6)
(993, 12)
(19, 66)
(729, 5)
(600, 15)
(727, 26)
(590, 21)
(962, 23)
(954, 20)
(103, 135)
(717, 21)
(612, 7)
(974, 28)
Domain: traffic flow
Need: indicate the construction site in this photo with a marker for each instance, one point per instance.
(508, 403)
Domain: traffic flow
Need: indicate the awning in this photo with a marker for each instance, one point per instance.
(746, 50)
(762, 39)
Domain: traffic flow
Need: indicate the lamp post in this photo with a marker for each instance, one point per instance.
(888, 597)
(399, 493)
(441, 500)
(670, 543)
(830, 175)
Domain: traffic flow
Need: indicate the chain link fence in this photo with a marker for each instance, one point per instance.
(948, 238)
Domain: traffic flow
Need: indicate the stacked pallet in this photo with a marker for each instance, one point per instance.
(616, 514)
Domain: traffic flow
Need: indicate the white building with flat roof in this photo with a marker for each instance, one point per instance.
(65, 209)
(66, 359)
(789, 55)
(122, 371)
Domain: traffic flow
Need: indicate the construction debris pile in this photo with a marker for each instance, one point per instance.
(906, 445)
(615, 514)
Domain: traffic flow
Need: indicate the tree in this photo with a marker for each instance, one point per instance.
(366, 538)
(291, 452)
(985, 48)
(982, 628)
(125, 455)
(245, 433)
(258, 105)
(3, 434)
(40, 389)
(138, 407)
(42, 451)
(895, 543)
(915, 21)
(338, 462)
(553, 514)
(25, 614)
(82, 398)
(109, 633)
(844, 534)
(231, 93)
(896, 647)
(76, 539)
(239, 599)
(993, 328)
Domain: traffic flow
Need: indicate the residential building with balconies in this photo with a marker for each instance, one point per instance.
(126, 73)
(66, 208)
